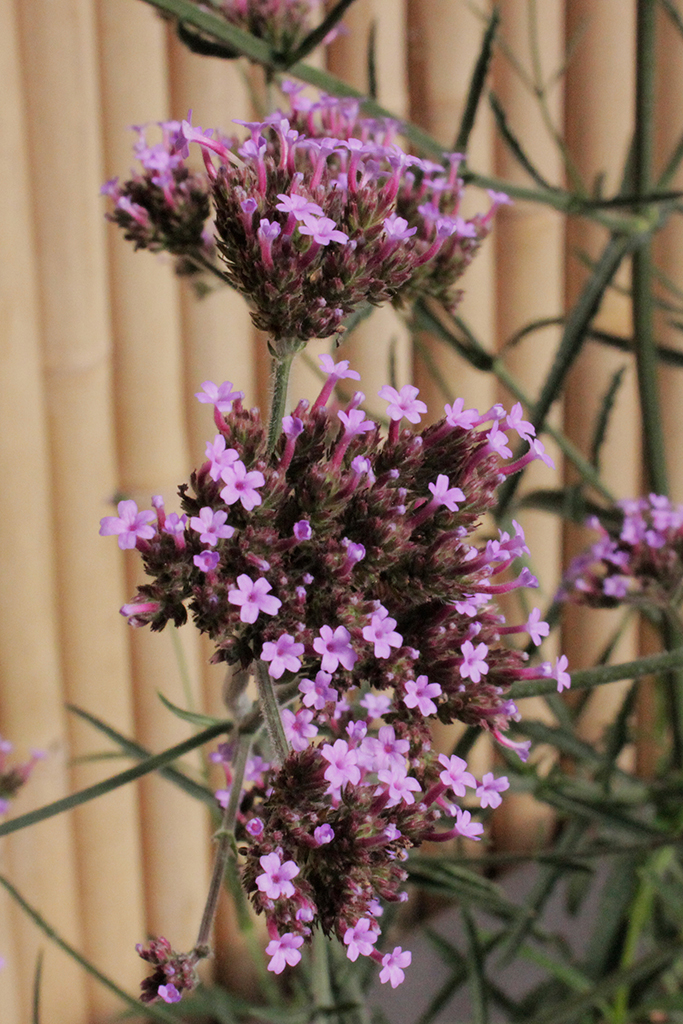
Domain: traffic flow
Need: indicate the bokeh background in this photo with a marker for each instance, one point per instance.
(102, 349)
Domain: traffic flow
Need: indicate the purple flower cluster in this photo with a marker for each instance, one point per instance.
(13, 776)
(165, 207)
(174, 973)
(317, 212)
(638, 562)
(344, 564)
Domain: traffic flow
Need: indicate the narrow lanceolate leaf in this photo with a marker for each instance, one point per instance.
(477, 83)
(140, 753)
(572, 1008)
(513, 143)
(152, 764)
(586, 678)
(193, 717)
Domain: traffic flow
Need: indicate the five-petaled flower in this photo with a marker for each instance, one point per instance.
(128, 525)
(252, 597)
(276, 880)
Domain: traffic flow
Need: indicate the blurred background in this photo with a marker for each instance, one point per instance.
(102, 350)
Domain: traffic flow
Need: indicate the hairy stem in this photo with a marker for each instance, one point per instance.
(280, 378)
(226, 835)
(271, 712)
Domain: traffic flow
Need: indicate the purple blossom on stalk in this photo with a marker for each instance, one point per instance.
(284, 655)
(474, 664)
(393, 964)
(361, 938)
(129, 525)
(276, 880)
(211, 526)
(298, 727)
(240, 485)
(335, 648)
(381, 632)
(252, 597)
(284, 950)
(378, 788)
(419, 693)
(207, 561)
(221, 396)
(490, 788)
(403, 403)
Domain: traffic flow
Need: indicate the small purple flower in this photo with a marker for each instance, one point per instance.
(393, 964)
(283, 951)
(211, 526)
(355, 422)
(128, 525)
(474, 664)
(284, 655)
(381, 632)
(444, 494)
(241, 485)
(343, 766)
(455, 775)
(403, 403)
(376, 704)
(490, 788)
(535, 627)
(339, 370)
(298, 727)
(397, 229)
(222, 397)
(419, 693)
(323, 834)
(361, 938)
(253, 597)
(219, 456)
(169, 993)
(319, 692)
(458, 416)
(335, 648)
(323, 230)
(276, 880)
(464, 825)
(564, 680)
(207, 561)
(302, 530)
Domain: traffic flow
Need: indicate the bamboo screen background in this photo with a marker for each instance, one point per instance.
(102, 350)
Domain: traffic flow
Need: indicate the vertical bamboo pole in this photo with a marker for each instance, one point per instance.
(382, 338)
(667, 256)
(153, 459)
(41, 861)
(444, 38)
(529, 262)
(599, 118)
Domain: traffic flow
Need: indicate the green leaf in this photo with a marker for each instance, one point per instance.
(442, 876)
(193, 717)
(133, 749)
(475, 969)
(513, 143)
(319, 33)
(573, 1007)
(151, 764)
(600, 675)
(604, 414)
(477, 82)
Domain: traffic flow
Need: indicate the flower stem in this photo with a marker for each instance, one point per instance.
(226, 835)
(280, 378)
(271, 712)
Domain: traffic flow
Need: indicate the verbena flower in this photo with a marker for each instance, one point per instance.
(638, 561)
(357, 578)
(318, 212)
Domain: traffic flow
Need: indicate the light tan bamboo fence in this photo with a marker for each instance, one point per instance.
(102, 351)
